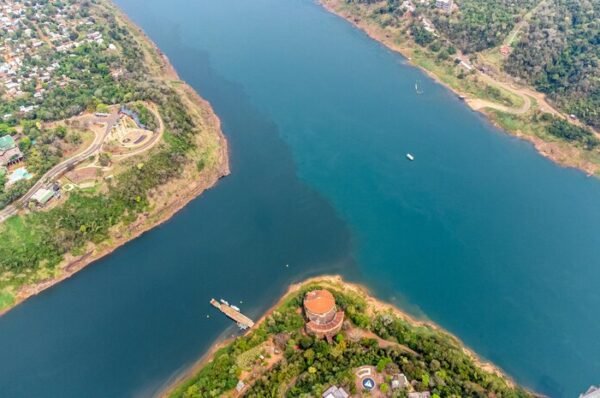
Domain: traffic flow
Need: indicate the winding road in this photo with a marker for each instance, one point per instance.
(65, 165)
(156, 136)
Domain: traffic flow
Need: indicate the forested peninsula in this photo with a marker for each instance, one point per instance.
(532, 66)
(99, 140)
(367, 347)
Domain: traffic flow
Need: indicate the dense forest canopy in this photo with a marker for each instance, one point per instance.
(480, 24)
(560, 55)
(555, 43)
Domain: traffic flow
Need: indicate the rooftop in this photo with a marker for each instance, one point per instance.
(319, 301)
(6, 143)
(335, 392)
(42, 196)
(424, 394)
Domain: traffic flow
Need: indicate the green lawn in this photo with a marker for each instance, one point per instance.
(6, 300)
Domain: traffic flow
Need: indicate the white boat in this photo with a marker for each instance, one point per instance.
(418, 88)
(410, 157)
(224, 302)
(235, 308)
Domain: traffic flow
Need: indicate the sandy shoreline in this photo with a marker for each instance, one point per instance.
(335, 282)
(188, 190)
(547, 149)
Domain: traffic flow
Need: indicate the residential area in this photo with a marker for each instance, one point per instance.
(58, 67)
(90, 147)
(35, 39)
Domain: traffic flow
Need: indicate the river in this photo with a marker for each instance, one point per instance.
(479, 234)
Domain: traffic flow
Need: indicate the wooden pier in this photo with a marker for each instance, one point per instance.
(242, 320)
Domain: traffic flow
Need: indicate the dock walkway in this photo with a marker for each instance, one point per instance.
(242, 320)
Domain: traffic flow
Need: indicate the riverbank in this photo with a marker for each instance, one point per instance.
(514, 109)
(357, 301)
(165, 200)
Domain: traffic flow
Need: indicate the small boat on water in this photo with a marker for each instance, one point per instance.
(418, 88)
(224, 302)
(235, 308)
(410, 157)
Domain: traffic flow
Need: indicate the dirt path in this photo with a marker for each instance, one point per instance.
(527, 94)
(356, 333)
(510, 38)
(499, 80)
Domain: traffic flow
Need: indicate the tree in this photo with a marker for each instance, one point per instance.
(384, 387)
(102, 108)
(104, 159)
(24, 143)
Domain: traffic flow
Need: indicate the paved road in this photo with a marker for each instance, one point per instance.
(62, 167)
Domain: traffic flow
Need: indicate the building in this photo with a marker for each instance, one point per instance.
(400, 381)
(408, 6)
(324, 318)
(239, 387)
(445, 5)
(9, 152)
(466, 65)
(428, 26)
(42, 196)
(424, 394)
(335, 392)
(592, 392)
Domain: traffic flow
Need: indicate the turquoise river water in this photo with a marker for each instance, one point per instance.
(479, 234)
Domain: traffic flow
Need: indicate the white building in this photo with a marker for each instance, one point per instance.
(445, 5)
(335, 392)
(400, 381)
(424, 394)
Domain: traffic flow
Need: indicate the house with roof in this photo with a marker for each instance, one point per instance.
(335, 392)
(9, 152)
(400, 381)
(240, 386)
(324, 319)
(423, 394)
(42, 196)
(445, 5)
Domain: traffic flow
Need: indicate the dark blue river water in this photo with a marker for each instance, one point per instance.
(480, 234)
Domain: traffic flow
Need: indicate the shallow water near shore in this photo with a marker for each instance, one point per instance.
(480, 233)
